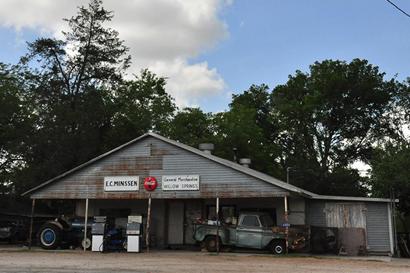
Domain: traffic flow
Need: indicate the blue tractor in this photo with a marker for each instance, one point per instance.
(66, 233)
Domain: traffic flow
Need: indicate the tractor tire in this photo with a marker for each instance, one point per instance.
(278, 247)
(49, 236)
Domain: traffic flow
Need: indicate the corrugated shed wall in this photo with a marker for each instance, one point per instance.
(377, 222)
(378, 227)
(316, 214)
(153, 157)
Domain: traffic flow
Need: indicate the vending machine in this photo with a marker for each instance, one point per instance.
(134, 233)
(98, 232)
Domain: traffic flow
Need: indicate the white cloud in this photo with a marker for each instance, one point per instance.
(189, 83)
(163, 35)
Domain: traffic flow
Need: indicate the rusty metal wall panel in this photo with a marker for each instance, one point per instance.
(345, 215)
(352, 239)
(378, 236)
(153, 157)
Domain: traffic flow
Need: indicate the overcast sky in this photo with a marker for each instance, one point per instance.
(209, 49)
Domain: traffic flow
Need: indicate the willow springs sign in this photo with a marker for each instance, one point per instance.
(169, 183)
(180, 183)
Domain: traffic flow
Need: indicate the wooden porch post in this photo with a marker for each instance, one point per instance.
(85, 224)
(217, 225)
(31, 224)
(148, 223)
(286, 223)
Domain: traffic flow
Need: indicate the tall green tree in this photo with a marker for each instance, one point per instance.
(331, 117)
(72, 91)
(91, 55)
(15, 126)
(390, 176)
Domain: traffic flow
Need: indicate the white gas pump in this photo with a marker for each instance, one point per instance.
(134, 227)
(98, 232)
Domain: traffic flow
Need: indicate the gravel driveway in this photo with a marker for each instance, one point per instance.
(185, 261)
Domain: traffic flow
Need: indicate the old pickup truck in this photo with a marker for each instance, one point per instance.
(252, 230)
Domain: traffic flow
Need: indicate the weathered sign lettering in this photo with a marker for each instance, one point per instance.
(180, 183)
(121, 183)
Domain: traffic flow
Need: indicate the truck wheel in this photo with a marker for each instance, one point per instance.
(49, 236)
(210, 243)
(278, 247)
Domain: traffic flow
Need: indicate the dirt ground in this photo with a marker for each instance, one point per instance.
(186, 261)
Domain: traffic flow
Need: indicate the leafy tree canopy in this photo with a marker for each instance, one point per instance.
(331, 117)
(91, 55)
(15, 126)
(191, 126)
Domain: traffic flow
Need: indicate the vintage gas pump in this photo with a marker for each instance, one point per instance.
(98, 231)
(134, 232)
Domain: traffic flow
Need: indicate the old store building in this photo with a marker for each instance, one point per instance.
(189, 181)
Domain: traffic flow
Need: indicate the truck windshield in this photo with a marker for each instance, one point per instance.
(266, 220)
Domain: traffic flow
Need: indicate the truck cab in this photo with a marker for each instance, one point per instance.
(253, 230)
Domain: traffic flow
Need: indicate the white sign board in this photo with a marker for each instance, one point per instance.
(180, 183)
(121, 183)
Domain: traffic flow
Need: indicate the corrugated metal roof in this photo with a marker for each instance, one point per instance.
(230, 164)
(351, 198)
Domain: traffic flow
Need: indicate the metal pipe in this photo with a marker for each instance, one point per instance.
(30, 235)
(148, 223)
(85, 225)
(235, 154)
(287, 174)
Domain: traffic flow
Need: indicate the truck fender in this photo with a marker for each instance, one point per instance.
(202, 233)
(274, 240)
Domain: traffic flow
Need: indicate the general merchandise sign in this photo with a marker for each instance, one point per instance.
(180, 182)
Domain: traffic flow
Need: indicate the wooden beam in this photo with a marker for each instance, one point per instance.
(217, 225)
(85, 224)
(286, 223)
(166, 222)
(148, 223)
(30, 234)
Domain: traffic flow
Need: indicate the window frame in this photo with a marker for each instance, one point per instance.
(251, 215)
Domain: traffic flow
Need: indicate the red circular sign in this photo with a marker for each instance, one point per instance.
(150, 183)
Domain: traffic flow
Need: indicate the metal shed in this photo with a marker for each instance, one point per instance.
(234, 185)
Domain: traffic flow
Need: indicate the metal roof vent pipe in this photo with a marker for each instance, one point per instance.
(206, 147)
(245, 162)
